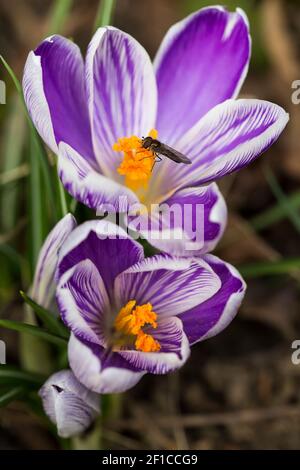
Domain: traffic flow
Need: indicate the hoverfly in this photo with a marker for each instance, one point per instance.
(158, 148)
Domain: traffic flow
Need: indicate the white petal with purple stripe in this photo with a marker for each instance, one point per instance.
(171, 285)
(228, 138)
(212, 316)
(83, 301)
(89, 186)
(68, 404)
(174, 351)
(111, 377)
(35, 100)
(107, 245)
(189, 223)
(43, 288)
(202, 61)
(54, 91)
(122, 93)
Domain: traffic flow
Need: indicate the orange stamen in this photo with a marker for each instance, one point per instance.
(130, 321)
(137, 163)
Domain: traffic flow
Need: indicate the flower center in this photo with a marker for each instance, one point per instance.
(130, 321)
(137, 163)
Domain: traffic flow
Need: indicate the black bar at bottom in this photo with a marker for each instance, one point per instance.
(137, 459)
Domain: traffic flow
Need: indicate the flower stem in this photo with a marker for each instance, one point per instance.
(63, 201)
(62, 196)
(111, 405)
(105, 13)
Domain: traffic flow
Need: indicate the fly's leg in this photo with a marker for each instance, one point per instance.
(157, 159)
(144, 158)
(149, 156)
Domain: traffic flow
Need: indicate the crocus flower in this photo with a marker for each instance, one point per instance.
(131, 315)
(68, 404)
(93, 115)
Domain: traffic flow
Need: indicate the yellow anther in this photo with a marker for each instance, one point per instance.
(130, 321)
(137, 163)
(146, 343)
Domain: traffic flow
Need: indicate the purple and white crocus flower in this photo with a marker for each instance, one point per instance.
(81, 109)
(131, 315)
(128, 315)
(68, 403)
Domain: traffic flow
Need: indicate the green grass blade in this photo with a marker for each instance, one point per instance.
(73, 206)
(105, 13)
(36, 236)
(17, 263)
(282, 199)
(11, 168)
(12, 375)
(12, 76)
(62, 199)
(270, 268)
(13, 175)
(14, 257)
(52, 324)
(60, 11)
(34, 331)
(39, 157)
(10, 395)
(38, 147)
(276, 213)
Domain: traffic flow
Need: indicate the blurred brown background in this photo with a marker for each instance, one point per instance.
(239, 390)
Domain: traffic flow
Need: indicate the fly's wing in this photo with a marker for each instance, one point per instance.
(172, 154)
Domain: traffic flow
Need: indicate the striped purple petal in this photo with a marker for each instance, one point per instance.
(171, 285)
(202, 61)
(54, 91)
(122, 93)
(68, 404)
(108, 246)
(106, 371)
(89, 186)
(100, 370)
(189, 223)
(43, 288)
(174, 350)
(212, 316)
(83, 301)
(228, 138)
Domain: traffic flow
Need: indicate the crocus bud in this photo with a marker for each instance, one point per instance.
(68, 403)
